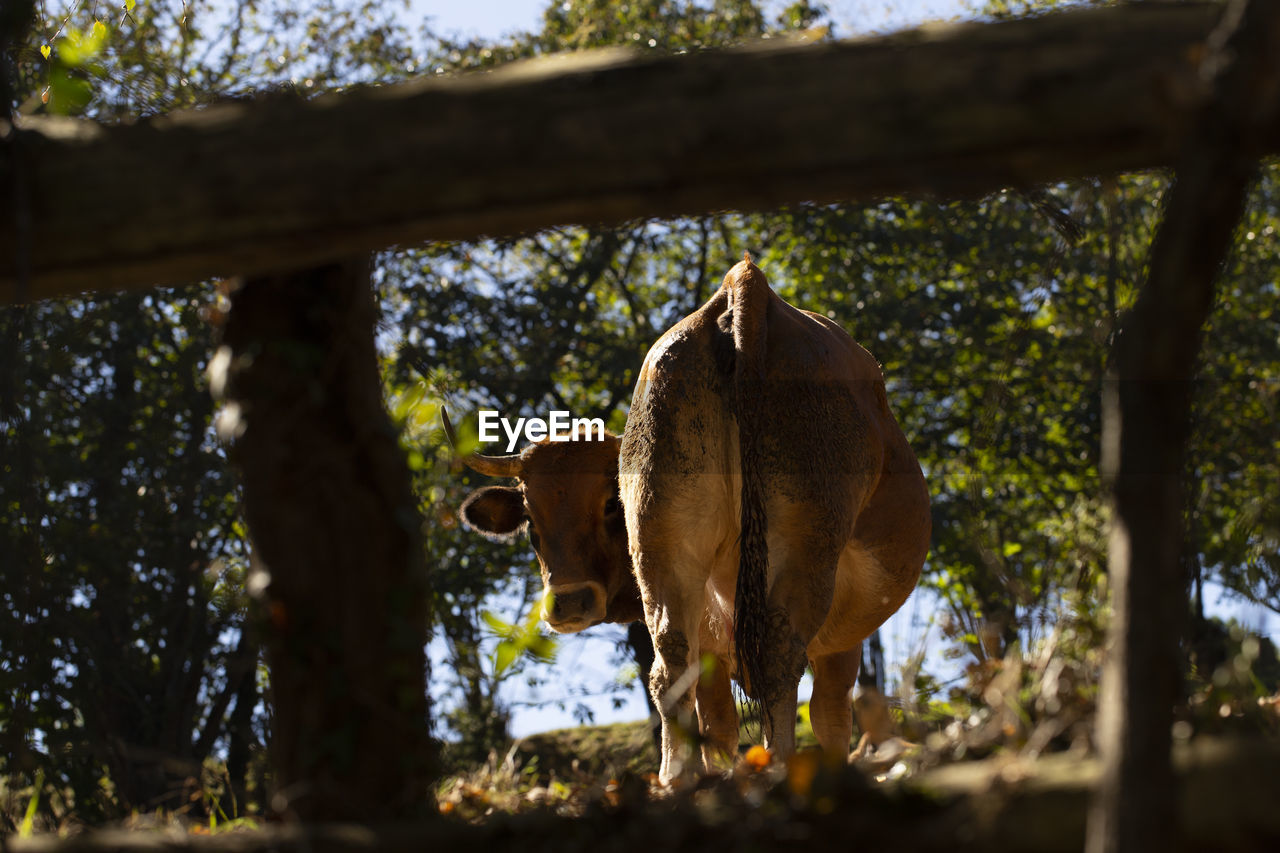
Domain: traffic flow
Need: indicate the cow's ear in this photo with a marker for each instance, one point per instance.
(495, 511)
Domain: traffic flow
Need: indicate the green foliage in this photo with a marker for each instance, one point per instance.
(1235, 529)
(123, 570)
(163, 55)
(1234, 681)
(123, 624)
(1028, 701)
(519, 639)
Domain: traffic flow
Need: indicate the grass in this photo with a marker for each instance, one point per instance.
(28, 819)
(563, 770)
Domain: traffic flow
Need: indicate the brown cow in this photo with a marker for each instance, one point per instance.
(774, 514)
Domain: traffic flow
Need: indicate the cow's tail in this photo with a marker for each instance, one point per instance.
(749, 297)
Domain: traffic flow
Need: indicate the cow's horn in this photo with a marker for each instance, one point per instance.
(493, 466)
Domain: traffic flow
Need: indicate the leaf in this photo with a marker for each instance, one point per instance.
(758, 758)
(504, 656)
(499, 627)
(543, 648)
(73, 49)
(129, 4)
(66, 92)
(99, 30)
(28, 819)
(45, 50)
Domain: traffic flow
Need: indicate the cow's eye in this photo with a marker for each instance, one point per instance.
(613, 506)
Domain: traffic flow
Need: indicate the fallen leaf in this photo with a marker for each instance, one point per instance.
(758, 757)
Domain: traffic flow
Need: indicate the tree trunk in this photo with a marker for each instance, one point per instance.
(338, 563)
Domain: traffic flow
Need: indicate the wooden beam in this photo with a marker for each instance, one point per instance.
(599, 137)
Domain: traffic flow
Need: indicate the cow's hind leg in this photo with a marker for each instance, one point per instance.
(673, 583)
(831, 706)
(803, 567)
(669, 685)
(784, 671)
(717, 715)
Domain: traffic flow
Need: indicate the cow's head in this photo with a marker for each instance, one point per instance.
(567, 498)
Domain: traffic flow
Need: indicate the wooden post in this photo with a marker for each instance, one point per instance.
(1146, 419)
(338, 562)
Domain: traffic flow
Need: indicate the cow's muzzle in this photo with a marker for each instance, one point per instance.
(572, 607)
